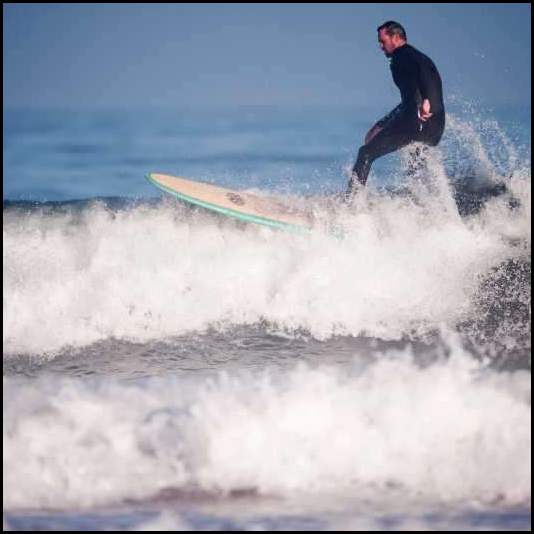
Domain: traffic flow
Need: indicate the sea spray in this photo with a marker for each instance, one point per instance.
(443, 432)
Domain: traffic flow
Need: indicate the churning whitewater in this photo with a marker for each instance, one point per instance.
(78, 275)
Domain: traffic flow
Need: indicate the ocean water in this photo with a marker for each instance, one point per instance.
(166, 368)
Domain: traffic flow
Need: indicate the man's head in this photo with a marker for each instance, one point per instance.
(391, 35)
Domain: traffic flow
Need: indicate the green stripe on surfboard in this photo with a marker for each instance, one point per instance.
(247, 217)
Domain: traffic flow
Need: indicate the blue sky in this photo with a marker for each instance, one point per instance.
(213, 56)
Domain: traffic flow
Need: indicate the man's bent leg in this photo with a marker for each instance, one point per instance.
(385, 142)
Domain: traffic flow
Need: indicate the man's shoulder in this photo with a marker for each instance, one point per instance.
(405, 53)
(421, 54)
(409, 50)
(410, 53)
(405, 56)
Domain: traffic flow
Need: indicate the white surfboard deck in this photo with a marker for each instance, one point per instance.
(241, 205)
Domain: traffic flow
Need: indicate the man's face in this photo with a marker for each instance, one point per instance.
(388, 43)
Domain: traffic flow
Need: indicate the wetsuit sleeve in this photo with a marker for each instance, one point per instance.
(430, 85)
(405, 73)
(425, 82)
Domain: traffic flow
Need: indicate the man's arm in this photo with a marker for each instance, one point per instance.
(429, 84)
(425, 85)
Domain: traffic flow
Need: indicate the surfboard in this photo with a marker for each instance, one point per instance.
(241, 205)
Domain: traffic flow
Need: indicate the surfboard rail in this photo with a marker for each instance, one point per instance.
(236, 204)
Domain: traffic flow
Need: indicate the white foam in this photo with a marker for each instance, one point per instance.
(514, 225)
(452, 431)
(167, 520)
(150, 273)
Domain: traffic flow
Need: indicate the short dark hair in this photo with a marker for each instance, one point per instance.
(393, 28)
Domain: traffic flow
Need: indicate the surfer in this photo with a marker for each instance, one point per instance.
(420, 117)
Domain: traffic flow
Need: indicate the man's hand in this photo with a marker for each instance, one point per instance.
(371, 133)
(424, 111)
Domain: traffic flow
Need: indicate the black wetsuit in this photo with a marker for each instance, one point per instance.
(417, 78)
